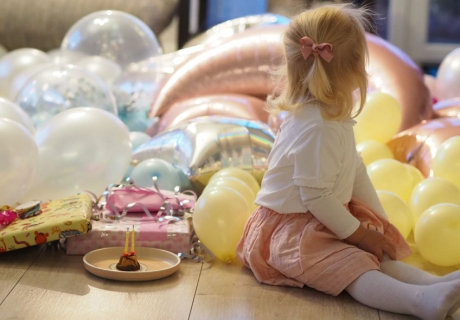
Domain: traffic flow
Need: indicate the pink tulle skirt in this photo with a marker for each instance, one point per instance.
(296, 249)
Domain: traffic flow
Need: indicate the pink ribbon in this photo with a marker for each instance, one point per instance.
(309, 47)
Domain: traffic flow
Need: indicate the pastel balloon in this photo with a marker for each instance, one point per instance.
(12, 111)
(115, 35)
(237, 184)
(447, 108)
(219, 218)
(202, 146)
(430, 83)
(397, 210)
(430, 192)
(17, 60)
(446, 162)
(227, 29)
(379, 120)
(230, 105)
(80, 149)
(448, 76)
(18, 161)
(415, 173)
(391, 175)
(138, 138)
(393, 72)
(167, 175)
(239, 65)
(372, 150)
(419, 144)
(238, 173)
(62, 87)
(437, 234)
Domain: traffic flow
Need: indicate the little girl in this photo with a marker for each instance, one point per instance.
(319, 222)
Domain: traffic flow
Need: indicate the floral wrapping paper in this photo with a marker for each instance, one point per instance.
(172, 236)
(60, 219)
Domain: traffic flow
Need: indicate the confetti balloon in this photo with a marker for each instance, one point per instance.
(60, 88)
(430, 192)
(114, 35)
(397, 211)
(437, 234)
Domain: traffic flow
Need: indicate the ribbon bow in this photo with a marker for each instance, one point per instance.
(309, 47)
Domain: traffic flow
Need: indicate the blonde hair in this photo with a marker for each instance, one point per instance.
(315, 80)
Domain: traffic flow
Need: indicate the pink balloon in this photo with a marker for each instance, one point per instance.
(230, 105)
(448, 76)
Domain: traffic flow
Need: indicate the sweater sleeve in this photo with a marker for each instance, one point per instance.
(364, 190)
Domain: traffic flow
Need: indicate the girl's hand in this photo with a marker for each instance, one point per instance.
(373, 242)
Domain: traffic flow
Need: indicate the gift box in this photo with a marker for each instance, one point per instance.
(173, 236)
(59, 219)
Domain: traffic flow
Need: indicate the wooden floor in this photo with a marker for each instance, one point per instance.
(44, 283)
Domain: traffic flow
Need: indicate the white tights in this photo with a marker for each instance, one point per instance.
(401, 288)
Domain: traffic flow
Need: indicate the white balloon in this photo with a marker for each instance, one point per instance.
(18, 161)
(80, 149)
(106, 69)
(17, 60)
(62, 56)
(3, 50)
(12, 111)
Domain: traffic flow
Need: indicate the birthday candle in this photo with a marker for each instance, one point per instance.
(132, 240)
(126, 242)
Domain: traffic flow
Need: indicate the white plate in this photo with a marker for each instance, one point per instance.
(155, 264)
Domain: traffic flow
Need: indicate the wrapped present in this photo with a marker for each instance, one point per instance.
(58, 219)
(172, 236)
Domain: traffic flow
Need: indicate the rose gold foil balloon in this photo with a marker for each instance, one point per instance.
(231, 27)
(392, 71)
(202, 146)
(239, 65)
(418, 145)
(447, 108)
(230, 105)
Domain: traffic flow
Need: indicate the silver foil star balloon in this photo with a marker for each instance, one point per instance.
(204, 145)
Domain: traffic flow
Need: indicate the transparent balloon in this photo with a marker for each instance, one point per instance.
(19, 80)
(397, 211)
(115, 35)
(437, 234)
(12, 111)
(80, 149)
(62, 87)
(17, 60)
(104, 68)
(18, 161)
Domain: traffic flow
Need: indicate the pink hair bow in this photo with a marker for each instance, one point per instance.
(309, 47)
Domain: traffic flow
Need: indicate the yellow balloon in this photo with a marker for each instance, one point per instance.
(391, 175)
(240, 174)
(397, 210)
(416, 174)
(446, 162)
(236, 184)
(437, 234)
(380, 118)
(372, 150)
(429, 192)
(219, 217)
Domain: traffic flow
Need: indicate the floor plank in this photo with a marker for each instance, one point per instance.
(58, 287)
(13, 265)
(230, 291)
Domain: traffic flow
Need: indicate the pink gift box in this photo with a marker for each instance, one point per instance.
(173, 236)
